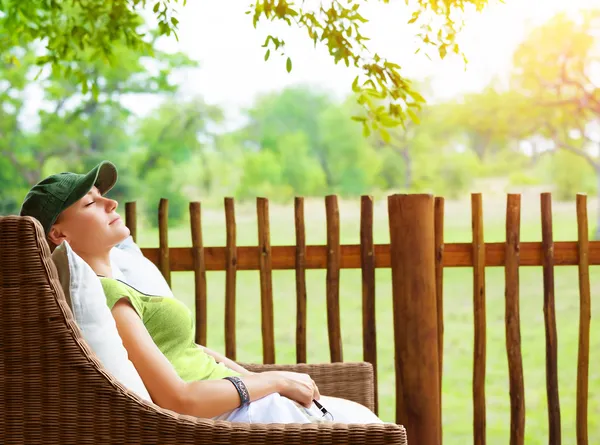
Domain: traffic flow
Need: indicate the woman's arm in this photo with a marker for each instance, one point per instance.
(206, 398)
(227, 362)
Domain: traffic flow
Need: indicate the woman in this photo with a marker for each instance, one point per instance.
(158, 332)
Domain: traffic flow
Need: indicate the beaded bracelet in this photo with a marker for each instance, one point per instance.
(241, 389)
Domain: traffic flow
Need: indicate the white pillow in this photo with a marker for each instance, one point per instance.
(84, 291)
(131, 266)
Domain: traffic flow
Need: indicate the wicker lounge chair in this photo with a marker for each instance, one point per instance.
(53, 389)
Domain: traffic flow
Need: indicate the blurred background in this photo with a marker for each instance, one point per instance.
(207, 117)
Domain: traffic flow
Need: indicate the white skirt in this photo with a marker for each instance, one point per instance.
(275, 408)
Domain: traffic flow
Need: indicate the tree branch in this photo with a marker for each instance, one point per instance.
(561, 143)
(89, 108)
(59, 105)
(579, 152)
(586, 100)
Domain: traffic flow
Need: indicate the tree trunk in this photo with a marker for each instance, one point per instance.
(479, 145)
(325, 167)
(207, 176)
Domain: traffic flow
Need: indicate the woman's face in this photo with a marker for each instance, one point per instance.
(91, 225)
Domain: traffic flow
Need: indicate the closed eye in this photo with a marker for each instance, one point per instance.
(89, 204)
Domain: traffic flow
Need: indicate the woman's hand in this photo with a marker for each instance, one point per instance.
(298, 387)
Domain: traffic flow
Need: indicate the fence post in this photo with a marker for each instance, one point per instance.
(411, 222)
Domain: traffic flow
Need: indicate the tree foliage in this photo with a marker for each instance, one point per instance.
(554, 70)
(74, 32)
(301, 141)
(72, 129)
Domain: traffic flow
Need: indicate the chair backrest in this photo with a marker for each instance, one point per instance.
(53, 389)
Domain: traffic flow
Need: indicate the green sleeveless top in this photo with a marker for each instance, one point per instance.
(171, 326)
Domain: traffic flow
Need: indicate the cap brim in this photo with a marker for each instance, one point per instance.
(106, 176)
(103, 176)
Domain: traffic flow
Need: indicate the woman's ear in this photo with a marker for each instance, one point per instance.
(55, 235)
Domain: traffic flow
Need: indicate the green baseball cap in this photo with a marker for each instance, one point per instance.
(48, 198)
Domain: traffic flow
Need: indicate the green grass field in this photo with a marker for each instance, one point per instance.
(458, 312)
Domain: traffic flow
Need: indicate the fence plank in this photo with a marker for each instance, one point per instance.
(411, 223)
(164, 263)
(439, 280)
(367, 255)
(512, 318)
(230, 279)
(455, 255)
(300, 258)
(479, 318)
(266, 281)
(333, 278)
(199, 272)
(131, 219)
(554, 426)
(583, 356)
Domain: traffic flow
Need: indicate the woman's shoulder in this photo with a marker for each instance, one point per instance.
(114, 286)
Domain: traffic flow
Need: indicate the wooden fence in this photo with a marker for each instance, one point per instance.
(416, 256)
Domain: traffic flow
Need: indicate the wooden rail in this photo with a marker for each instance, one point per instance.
(315, 257)
(416, 257)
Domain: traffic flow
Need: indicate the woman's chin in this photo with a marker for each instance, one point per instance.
(122, 233)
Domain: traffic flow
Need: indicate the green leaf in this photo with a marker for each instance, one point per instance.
(95, 91)
(391, 65)
(361, 18)
(388, 121)
(443, 51)
(355, 86)
(37, 76)
(416, 96)
(366, 130)
(359, 118)
(415, 16)
(156, 6)
(413, 116)
(174, 21)
(288, 65)
(267, 54)
(385, 135)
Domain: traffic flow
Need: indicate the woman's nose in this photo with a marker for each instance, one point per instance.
(112, 205)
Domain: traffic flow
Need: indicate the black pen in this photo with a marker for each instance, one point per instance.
(321, 408)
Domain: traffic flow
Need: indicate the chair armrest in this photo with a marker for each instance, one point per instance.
(351, 381)
(310, 434)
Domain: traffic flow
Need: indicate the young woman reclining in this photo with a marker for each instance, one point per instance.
(158, 333)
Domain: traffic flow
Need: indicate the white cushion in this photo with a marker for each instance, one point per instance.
(84, 290)
(131, 266)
